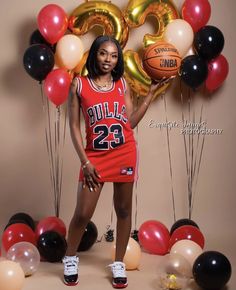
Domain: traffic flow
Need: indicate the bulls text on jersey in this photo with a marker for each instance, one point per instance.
(106, 110)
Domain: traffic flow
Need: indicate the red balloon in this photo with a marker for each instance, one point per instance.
(218, 70)
(187, 233)
(52, 22)
(57, 85)
(17, 233)
(50, 223)
(154, 237)
(196, 13)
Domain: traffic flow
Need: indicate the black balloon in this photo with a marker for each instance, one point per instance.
(22, 217)
(37, 38)
(193, 71)
(182, 222)
(38, 61)
(209, 42)
(12, 222)
(89, 237)
(52, 246)
(211, 270)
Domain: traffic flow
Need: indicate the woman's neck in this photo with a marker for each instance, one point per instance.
(103, 78)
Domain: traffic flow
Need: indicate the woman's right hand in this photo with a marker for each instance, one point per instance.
(91, 177)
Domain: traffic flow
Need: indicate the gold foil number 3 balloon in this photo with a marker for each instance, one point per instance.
(135, 15)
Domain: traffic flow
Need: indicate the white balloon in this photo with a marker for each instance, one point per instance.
(179, 33)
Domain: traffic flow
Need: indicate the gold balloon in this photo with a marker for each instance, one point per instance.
(80, 69)
(136, 77)
(137, 10)
(102, 13)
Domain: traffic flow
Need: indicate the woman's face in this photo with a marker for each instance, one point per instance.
(107, 57)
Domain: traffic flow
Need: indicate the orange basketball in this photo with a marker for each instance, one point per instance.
(161, 59)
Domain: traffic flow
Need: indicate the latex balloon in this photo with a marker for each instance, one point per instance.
(209, 42)
(136, 77)
(103, 13)
(218, 69)
(52, 22)
(180, 34)
(154, 237)
(51, 223)
(196, 13)
(212, 270)
(37, 38)
(188, 249)
(57, 85)
(132, 254)
(27, 255)
(80, 69)
(52, 246)
(17, 233)
(12, 222)
(137, 11)
(187, 233)
(11, 276)
(193, 71)
(70, 50)
(38, 61)
(26, 218)
(182, 222)
(89, 237)
(178, 265)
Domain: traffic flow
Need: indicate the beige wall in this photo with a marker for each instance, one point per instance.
(24, 171)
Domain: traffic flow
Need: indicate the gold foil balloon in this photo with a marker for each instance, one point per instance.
(102, 13)
(137, 10)
(80, 69)
(135, 75)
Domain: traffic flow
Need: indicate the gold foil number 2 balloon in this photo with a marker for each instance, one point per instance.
(108, 15)
(135, 15)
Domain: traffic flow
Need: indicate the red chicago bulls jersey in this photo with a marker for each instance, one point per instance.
(110, 143)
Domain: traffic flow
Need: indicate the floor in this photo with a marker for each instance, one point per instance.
(95, 275)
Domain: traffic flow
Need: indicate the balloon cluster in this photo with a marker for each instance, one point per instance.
(185, 258)
(25, 244)
(209, 66)
(39, 59)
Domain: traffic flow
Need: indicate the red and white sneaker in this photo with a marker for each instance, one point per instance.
(71, 268)
(119, 279)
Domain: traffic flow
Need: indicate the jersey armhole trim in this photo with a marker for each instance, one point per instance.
(123, 81)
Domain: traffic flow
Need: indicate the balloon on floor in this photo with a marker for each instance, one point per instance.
(132, 255)
(27, 255)
(89, 237)
(11, 276)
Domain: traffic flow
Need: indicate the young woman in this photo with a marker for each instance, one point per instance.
(110, 152)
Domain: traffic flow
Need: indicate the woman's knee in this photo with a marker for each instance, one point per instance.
(123, 212)
(81, 218)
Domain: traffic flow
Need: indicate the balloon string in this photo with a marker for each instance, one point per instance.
(184, 137)
(48, 136)
(170, 161)
(136, 181)
(200, 157)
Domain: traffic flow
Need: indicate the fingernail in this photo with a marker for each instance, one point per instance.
(99, 175)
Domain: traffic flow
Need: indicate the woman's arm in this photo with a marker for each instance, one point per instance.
(74, 122)
(91, 176)
(135, 116)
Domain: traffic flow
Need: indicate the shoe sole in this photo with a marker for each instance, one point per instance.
(71, 284)
(119, 286)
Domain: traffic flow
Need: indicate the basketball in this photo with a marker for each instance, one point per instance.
(160, 60)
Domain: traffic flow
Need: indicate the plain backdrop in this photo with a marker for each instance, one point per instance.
(24, 168)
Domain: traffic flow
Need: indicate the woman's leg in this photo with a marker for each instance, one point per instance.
(123, 207)
(86, 204)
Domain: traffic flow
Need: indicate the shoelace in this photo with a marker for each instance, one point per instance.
(118, 270)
